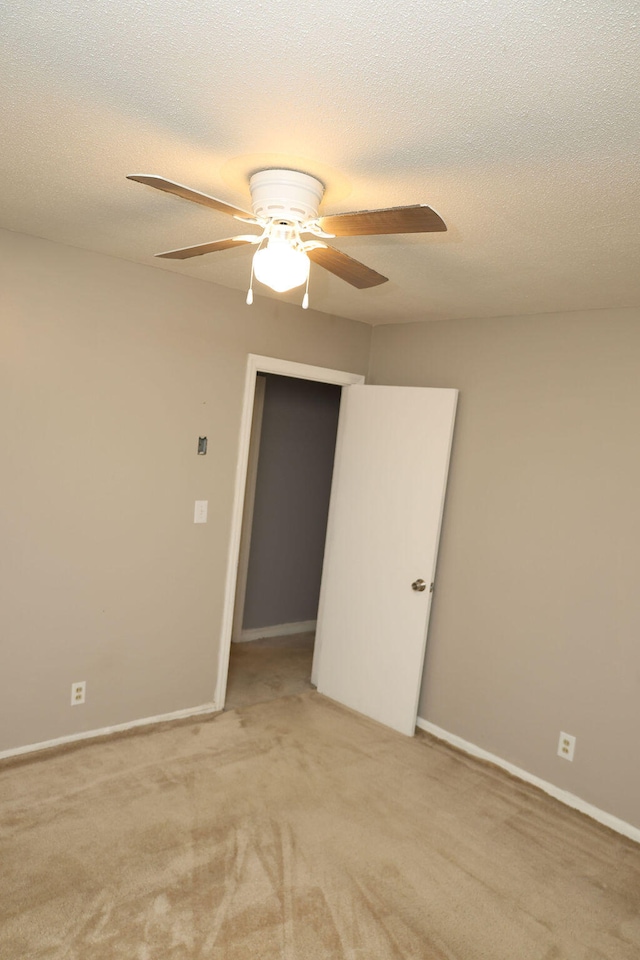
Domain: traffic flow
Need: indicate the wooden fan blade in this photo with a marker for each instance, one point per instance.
(186, 193)
(185, 252)
(362, 223)
(354, 272)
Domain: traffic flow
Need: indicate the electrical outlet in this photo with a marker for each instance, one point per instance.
(78, 692)
(566, 746)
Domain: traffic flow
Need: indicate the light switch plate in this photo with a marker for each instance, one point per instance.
(200, 512)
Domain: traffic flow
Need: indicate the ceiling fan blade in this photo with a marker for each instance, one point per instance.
(416, 219)
(354, 272)
(185, 252)
(186, 193)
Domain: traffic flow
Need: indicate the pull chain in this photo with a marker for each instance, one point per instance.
(250, 290)
(265, 236)
(305, 299)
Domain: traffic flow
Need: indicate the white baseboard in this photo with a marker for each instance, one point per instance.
(277, 630)
(620, 826)
(105, 731)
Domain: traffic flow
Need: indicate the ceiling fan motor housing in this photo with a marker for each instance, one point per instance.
(286, 195)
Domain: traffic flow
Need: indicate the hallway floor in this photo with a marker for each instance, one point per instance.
(261, 670)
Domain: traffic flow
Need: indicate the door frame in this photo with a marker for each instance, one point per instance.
(248, 508)
(284, 368)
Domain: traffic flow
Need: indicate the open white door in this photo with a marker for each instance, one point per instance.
(387, 497)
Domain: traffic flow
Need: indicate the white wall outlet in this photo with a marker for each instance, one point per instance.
(200, 512)
(566, 746)
(78, 692)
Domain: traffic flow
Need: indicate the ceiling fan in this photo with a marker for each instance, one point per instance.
(285, 208)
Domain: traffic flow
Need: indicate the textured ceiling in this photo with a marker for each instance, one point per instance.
(518, 122)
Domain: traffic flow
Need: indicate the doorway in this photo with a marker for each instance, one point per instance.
(282, 368)
(286, 505)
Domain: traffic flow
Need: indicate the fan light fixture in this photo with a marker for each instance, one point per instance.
(285, 208)
(280, 265)
(285, 203)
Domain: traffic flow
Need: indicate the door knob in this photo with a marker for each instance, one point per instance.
(419, 585)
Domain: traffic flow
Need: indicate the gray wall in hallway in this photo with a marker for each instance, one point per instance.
(295, 466)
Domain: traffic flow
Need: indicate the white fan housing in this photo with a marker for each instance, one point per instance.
(285, 195)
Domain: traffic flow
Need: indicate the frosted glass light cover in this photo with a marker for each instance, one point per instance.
(280, 266)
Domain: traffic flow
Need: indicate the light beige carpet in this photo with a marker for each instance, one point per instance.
(267, 669)
(296, 830)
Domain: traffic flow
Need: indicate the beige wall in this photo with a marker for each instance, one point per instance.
(535, 624)
(109, 373)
